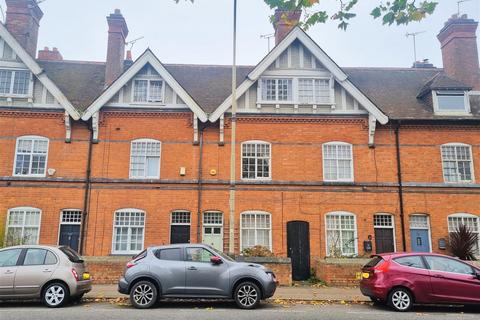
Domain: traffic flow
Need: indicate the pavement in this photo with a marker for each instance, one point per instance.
(299, 293)
(175, 310)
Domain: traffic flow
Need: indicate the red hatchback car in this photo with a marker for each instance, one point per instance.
(402, 279)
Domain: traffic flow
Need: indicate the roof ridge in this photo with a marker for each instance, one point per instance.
(207, 65)
(73, 61)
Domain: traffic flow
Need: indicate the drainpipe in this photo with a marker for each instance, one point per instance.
(400, 184)
(200, 184)
(86, 196)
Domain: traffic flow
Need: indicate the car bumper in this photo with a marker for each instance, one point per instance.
(269, 289)
(81, 287)
(123, 286)
(374, 290)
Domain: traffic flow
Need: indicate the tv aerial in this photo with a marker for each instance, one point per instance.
(414, 36)
(131, 43)
(459, 3)
(268, 36)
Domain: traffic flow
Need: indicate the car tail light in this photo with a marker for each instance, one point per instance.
(75, 274)
(130, 264)
(382, 267)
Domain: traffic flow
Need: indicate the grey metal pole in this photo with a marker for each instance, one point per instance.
(231, 242)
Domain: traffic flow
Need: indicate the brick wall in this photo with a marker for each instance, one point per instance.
(339, 272)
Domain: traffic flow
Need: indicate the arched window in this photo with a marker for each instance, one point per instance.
(469, 220)
(256, 229)
(337, 161)
(457, 162)
(256, 160)
(23, 226)
(145, 159)
(31, 153)
(128, 231)
(341, 234)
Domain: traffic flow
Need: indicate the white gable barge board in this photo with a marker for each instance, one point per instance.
(146, 57)
(38, 72)
(330, 65)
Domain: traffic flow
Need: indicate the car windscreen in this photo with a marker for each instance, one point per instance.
(71, 254)
(374, 262)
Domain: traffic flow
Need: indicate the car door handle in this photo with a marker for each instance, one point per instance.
(438, 276)
(9, 272)
(47, 270)
(191, 268)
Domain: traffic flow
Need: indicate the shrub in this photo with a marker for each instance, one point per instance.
(257, 251)
(463, 242)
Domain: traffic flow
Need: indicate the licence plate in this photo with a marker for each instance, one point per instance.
(86, 276)
(365, 275)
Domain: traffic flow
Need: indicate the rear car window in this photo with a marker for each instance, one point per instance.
(169, 254)
(9, 258)
(34, 257)
(374, 262)
(411, 261)
(71, 254)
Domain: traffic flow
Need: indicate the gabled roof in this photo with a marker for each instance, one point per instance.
(442, 82)
(337, 72)
(38, 72)
(148, 57)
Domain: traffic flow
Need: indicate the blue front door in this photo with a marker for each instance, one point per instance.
(420, 240)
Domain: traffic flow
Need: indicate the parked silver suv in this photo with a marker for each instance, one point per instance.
(54, 274)
(194, 271)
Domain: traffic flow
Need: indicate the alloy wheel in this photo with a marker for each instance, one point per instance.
(247, 295)
(143, 294)
(55, 295)
(401, 300)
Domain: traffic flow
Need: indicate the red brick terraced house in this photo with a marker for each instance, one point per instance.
(113, 157)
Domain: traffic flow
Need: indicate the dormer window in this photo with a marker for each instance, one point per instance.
(14, 82)
(295, 90)
(451, 102)
(148, 90)
(275, 90)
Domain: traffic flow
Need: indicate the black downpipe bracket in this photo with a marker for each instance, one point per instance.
(200, 183)
(86, 197)
(400, 185)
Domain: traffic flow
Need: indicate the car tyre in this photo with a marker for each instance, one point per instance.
(247, 295)
(55, 295)
(400, 299)
(143, 295)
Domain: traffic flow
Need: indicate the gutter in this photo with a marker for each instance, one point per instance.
(200, 184)
(400, 184)
(86, 197)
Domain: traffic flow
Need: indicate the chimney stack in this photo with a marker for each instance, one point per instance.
(23, 21)
(284, 22)
(459, 50)
(117, 33)
(50, 55)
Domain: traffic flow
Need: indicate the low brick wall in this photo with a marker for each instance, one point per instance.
(107, 270)
(339, 272)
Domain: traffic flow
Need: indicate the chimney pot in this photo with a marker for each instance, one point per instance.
(117, 33)
(459, 50)
(23, 21)
(284, 22)
(53, 55)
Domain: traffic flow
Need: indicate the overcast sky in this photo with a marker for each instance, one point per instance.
(200, 33)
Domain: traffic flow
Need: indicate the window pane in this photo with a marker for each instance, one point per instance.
(457, 164)
(341, 231)
(50, 258)
(181, 217)
(451, 103)
(128, 231)
(35, 257)
(198, 255)
(8, 258)
(412, 261)
(255, 160)
(305, 91)
(448, 265)
(145, 159)
(21, 82)
(5, 81)
(156, 91)
(140, 89)
(31, 156)
(169, 254)
(337, 162)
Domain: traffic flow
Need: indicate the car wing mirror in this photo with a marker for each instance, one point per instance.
(477, 275)
(216, 260)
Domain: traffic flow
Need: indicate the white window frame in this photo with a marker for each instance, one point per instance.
(256, 142)
(256, 212)
(428, 228)
(33, 138)
(457, 144)
(10, 94)
(148, 78)
(341, 143)
(128, 251)
(295, 90)
(463, 216)
(172, 223)
(341, 213)
(392, 227)
(131, 176)
(436, 106)
(23, 226)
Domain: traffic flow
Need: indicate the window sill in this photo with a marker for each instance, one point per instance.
(30, 175)
(17, 96)
(144, 178)
(256, 179)
(142, 103)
